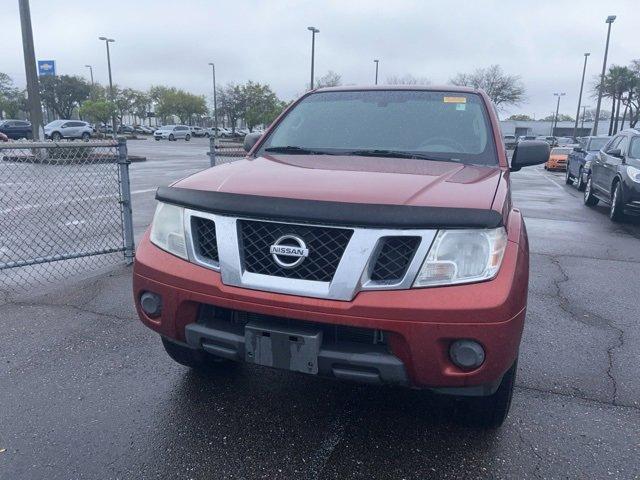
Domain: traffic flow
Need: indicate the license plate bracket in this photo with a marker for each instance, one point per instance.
(293, 348)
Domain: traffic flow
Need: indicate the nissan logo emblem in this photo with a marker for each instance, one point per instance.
(289, 251)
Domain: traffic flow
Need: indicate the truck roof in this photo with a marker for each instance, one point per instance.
(427, 88)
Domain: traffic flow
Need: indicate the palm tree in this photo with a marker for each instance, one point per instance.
(617, 82)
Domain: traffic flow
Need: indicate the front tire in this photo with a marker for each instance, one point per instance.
(491, 411)
(187, 138)
(568, 179)
(190, 357)
(86, 136)
(616, 213)
(171, 137)
(590, 199)
(56, 136)
(581, 183)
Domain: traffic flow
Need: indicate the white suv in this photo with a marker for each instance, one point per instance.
(173, 132)
(59, 129)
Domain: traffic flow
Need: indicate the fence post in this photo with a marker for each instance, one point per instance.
(212, 150)
(125, 201)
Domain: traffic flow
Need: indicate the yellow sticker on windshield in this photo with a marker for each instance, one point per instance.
(455, 100)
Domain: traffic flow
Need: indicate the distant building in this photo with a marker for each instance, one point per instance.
(542, 128)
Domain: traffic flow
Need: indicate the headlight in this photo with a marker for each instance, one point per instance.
(167, 229)
(463, 256)
(634, 173)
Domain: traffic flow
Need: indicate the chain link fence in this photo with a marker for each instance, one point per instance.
(65, 209)
(225, 152)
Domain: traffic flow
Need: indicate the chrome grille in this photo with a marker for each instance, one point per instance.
(205, 242)
(394, 258)
(326, 246)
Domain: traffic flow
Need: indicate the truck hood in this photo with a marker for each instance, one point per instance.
(350, 179)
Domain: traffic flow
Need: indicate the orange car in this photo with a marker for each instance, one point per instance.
(558, 159)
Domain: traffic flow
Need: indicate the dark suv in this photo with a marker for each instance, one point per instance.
(579, 160)
(615, 175)
(16, 129)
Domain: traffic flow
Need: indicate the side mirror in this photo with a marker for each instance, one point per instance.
(616, 152)
(250, 140)
(529, 152)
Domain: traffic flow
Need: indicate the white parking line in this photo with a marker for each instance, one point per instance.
(549, 179)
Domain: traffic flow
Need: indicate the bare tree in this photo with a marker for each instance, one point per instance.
(407, 79)
(503, 89)
(330, 79)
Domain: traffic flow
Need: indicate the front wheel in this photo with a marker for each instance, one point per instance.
(568, 179)
(581, 183)
(616, 213)
(490, 411)
(187, 138)
(56, 137)
(86, 136)
(589, 198)
(171, 137)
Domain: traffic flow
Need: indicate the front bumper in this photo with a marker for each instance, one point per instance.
(419, 324)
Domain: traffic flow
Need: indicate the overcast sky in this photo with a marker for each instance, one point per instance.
(172, 42)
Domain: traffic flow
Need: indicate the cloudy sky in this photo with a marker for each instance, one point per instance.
(172, 42)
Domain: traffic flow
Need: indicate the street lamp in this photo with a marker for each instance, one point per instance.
(555, 123)
(313, 31)
(90, 71)
(584, 70)
(376, 62)
(107, 41)
(215, 103)
(610, 20)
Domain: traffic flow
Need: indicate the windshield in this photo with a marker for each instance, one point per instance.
(54, 123)
(597, 143)
(561, 151)
(430, 125)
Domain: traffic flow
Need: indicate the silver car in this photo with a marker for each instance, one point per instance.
(59, 129)
(173, 132)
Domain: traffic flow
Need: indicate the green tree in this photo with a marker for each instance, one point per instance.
(62, 94)
(12, 99)
(520, 117)
(562, 117)
(99, 111)
(231, 103)
(128, 101)
(261, 105)
(503, 89)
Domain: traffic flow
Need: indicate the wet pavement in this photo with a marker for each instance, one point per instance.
(87, 392)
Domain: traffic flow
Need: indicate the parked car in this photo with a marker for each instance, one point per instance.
(3, 137)
(199, 132)
(104, 128)
(579, 160)
(143, 129)
(16, 129)
(59, 129)
(414, 274)
(126, 129)
(173, 132)
(242, 132)
(558, 158)
(523, 138)
(564, 141)
(552, 141)
(615, 176)
(510, 141)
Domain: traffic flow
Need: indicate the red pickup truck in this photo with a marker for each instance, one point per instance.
(368, 235)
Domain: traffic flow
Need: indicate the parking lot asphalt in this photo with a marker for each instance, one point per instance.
(87, 392)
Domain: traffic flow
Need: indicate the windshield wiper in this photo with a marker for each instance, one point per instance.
(398, 154)
(296, 150)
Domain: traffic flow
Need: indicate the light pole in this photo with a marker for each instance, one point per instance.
(313, 31)
(610, 20)
(584, 70)
(555, 123)
(107, 41)
(33, 93)
(376, 62)
(215, 103)
(91, 72)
